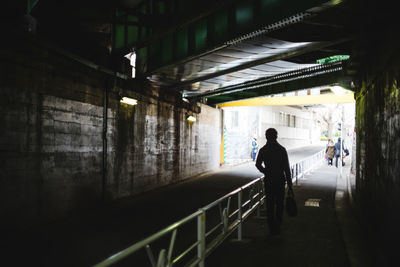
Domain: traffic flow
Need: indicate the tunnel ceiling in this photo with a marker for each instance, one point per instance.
(209, 50)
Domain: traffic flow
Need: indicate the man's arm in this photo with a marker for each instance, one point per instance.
(259, 162)
(287, 169)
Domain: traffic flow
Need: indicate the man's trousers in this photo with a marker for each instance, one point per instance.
(275, 195)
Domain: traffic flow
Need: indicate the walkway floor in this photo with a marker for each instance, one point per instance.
(325, 232)
(318, 236)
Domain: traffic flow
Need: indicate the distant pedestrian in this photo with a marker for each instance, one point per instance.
(254, 148)
(273, 162)
(338, 147)
(330, 151)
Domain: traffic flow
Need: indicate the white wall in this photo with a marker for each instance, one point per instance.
(295, 128)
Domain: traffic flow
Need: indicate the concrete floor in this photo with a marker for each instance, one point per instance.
(84, 240)
(327, 235)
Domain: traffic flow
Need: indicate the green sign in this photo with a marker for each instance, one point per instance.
(332, 59)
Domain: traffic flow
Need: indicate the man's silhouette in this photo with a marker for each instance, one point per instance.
(273, 162)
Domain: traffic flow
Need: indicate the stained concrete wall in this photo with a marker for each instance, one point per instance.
(378, 160)
(51, 138)
(152, 144)
(378, 129)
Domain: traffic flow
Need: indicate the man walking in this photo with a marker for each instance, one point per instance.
(273, 162)
(254, 148)
(338, 147)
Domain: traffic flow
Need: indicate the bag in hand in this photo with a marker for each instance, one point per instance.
(291, 206)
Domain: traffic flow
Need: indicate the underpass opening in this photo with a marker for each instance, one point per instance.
(302, 118)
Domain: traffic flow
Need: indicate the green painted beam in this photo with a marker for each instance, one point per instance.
(30, 5)
(332, 59)
(213, 28)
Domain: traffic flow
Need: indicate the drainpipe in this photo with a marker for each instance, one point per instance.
(104, 171)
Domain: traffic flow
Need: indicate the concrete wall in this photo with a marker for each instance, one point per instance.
(378, 159)
(51, 138)
(378, 128)
(151, 145)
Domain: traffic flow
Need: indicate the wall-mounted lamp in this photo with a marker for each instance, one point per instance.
(191, 118)
(129, 101)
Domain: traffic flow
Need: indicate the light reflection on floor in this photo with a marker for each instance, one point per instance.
(312, 202)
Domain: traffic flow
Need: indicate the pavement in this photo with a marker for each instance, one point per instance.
(327, 235)
(326, 231)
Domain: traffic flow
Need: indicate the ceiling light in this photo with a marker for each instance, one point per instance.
(129, 101)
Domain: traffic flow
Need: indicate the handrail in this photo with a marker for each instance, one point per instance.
(131, 249)
(227, 223)
(307, 165)
(212, 204)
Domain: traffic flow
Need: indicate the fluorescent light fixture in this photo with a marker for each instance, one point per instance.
(191, 118)
(129, 101)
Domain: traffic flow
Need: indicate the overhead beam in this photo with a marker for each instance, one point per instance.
(184, 23)
(218, 27)
(30, 5)
(292, 100)
(286, 77)
(301, 50)
(326, 79)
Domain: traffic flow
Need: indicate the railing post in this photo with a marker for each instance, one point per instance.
(225, 221)
(240, 215)
(162, 258)
(259, 198)
(251, 194)
(201, 237)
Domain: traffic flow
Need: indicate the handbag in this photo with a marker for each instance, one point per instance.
(291, 206)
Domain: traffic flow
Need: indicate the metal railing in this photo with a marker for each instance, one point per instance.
(306, 166)
(248, 198)
(233, 209)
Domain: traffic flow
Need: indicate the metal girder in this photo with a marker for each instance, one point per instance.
(276, 79)
(157, 36)
(301, 50)
(216, 26)
(281, 85)
(30, 5)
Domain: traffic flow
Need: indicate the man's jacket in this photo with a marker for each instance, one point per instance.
(273, 161)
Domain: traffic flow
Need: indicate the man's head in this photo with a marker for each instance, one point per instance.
(271, 134)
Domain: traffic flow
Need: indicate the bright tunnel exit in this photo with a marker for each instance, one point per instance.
(302, 118)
